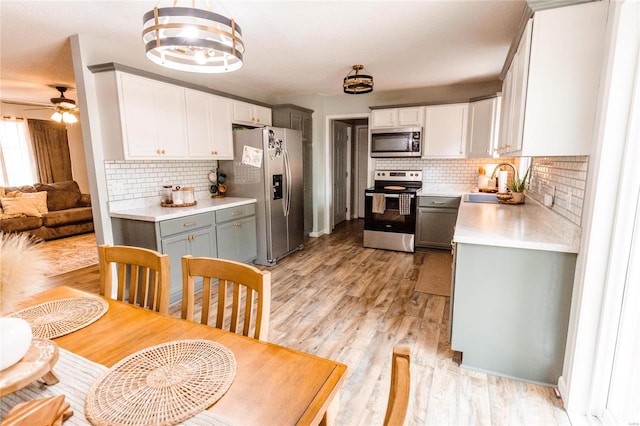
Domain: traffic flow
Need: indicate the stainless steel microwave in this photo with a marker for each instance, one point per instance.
(396, 142)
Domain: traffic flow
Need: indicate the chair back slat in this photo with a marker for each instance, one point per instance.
(399, 387)
(234, 282)
(142, 276)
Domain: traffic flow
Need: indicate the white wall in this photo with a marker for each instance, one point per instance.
(74, 134)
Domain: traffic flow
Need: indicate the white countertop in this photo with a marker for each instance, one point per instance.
(444, 190)
(527, 226)
(157, 213)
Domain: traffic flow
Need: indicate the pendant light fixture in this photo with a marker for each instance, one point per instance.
(356, 84)
(194, 40)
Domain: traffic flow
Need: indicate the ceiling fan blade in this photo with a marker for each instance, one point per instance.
(27, 103)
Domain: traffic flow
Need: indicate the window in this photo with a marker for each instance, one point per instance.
(17, 166)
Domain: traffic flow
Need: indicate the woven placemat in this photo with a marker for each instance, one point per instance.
(162, 385)
(56, 318)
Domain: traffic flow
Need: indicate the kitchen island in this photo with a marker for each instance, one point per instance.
(214, 227)
(513, 278)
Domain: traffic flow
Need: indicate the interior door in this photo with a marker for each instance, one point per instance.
(362, 161)
(340, 172)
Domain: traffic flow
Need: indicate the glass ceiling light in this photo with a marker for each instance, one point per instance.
(194, 40)
(356, 84)
(61, 116)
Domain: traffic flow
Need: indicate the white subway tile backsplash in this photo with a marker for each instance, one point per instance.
(133, 180)
(568, 175)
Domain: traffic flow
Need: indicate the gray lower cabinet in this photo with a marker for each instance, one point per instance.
(197, 243)
(511, 310)
(228, 233)
(436, 221)
(236, 233)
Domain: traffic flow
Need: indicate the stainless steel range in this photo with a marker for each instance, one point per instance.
(390, 210)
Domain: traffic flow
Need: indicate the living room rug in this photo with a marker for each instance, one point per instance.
(71, 253)
(435, 273)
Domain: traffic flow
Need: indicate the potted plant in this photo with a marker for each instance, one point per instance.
(517, 187)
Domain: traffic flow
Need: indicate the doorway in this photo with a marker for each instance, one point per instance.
(349, 144)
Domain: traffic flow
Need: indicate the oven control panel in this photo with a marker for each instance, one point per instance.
(399, 175)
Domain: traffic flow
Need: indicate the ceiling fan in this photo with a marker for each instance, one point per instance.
(64, 109)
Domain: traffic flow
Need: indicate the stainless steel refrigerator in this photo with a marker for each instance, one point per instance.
(267, 166)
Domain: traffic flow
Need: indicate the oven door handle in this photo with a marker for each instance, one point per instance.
(370, 194)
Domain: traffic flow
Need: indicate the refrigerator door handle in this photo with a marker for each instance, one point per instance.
(287, 171)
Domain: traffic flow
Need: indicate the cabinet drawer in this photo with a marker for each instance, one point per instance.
(233, 213)
(187, 223)
(439, 202)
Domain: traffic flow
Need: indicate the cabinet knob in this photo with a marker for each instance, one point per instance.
(214, 152)
(158, 151)
(188, 224)
(238, 224)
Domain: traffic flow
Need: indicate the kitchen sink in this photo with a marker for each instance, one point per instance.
(480, 197)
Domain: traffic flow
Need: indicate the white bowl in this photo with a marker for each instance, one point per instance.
(15, 340)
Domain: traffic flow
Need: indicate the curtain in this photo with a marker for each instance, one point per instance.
(51, 149)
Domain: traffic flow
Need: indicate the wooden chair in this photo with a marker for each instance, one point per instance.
(143, 276)
(399, 389)
(242, 276)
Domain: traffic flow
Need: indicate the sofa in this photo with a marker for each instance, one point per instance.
(46, 210)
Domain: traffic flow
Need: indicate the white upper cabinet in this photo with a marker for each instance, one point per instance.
(550, 92)
(250, 114)
(445, 131)
(209, 125)
(153, 120)
(483, 127)
(396, 117)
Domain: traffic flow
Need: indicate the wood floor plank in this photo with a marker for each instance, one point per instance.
(352, 304)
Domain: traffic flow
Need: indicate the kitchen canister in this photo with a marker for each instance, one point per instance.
(188, 195)
(178, 196)
(166, 194)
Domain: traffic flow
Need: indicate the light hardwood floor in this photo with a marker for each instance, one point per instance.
(338, 300)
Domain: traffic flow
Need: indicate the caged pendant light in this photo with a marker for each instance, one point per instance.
(194, 40)
(356, 84)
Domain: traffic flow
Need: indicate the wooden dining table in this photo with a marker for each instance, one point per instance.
(274, 385)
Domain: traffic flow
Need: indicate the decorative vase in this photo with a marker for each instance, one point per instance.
(15, 340)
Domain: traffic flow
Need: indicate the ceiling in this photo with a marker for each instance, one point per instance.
(292, 47)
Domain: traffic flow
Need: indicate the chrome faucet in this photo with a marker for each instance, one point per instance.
(515, 171)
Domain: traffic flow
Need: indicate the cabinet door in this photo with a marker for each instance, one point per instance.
(445, 131)
(137, 103)
(392, 117)
(435, 227)
(296, 122)
(209, 130)
(153, 119)
(199, 124)
(221, 130)
(236, 240)
(482, 129)
(262, 115)
(171, 120)
(411, 116)
(255, 115)
(176, 247)
(202, 243)
(505, 113)
(198, 243)
(384, 117)
(520, 77)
